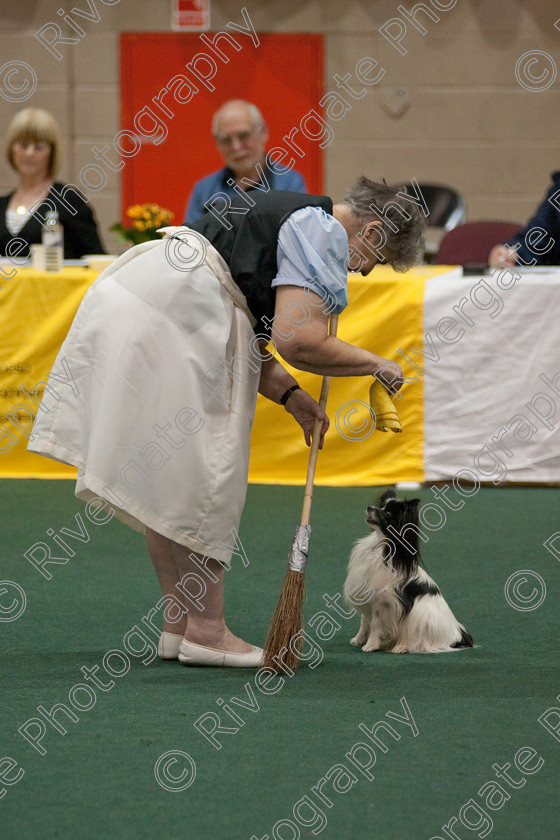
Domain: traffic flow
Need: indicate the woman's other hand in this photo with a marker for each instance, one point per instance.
(306, 411)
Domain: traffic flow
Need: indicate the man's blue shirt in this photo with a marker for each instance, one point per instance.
(286, 179)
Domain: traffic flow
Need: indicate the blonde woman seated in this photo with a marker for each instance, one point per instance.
(32, 147)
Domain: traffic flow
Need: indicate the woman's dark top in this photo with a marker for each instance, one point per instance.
(534, 247)
(75, 216)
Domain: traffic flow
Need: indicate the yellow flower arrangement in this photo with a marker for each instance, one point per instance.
(146, 219)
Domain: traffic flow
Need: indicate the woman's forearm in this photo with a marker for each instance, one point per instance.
(307, 345)
(275, 379)
(332, 357)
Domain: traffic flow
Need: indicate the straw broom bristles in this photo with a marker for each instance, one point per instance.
(281, 646)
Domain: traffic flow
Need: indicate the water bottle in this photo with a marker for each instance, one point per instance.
(53, 241)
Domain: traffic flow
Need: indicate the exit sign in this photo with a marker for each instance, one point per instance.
(190, 15)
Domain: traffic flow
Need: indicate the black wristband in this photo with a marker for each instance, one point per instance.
(286, 395)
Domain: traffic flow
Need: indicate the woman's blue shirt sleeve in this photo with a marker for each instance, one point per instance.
(313, 252)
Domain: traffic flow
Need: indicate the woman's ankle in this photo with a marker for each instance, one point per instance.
(220, 638)
(177, 629)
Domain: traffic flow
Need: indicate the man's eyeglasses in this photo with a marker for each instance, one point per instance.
(242, 136)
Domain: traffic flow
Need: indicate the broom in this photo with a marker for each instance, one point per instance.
(284, 639)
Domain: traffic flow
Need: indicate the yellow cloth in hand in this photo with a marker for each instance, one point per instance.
(385, 412)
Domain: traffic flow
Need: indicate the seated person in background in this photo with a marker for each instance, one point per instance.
(240, 134)
(32, 147)
(539, 242)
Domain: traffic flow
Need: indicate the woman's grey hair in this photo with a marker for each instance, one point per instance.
(403, 220)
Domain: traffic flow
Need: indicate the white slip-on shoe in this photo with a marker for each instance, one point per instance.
(192, 654)
(168, 645)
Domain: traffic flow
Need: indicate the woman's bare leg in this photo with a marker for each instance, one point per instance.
(207, 624)
(165, 566)
(180, 574)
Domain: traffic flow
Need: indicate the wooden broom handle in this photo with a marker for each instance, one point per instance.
(316, 437)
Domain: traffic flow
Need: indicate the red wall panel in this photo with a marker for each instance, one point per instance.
(283, 76)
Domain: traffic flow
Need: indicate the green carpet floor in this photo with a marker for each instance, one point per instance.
(464, 715)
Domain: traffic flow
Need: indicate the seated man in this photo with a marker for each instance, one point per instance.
(539, 242)
(240, 134)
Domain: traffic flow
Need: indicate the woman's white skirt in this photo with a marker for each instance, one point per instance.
(162, 377)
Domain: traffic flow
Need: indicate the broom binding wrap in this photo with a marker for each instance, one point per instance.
(299, 552)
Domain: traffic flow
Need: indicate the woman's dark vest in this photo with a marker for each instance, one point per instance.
(247, 239)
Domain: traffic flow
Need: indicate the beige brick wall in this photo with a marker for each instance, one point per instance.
(468, 123)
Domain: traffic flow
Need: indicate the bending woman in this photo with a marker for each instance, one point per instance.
(165, 358)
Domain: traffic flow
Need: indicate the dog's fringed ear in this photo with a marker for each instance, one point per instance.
(404, 521)
(385, 496)
(411, 507)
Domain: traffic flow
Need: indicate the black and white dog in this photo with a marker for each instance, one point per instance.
(402, 609)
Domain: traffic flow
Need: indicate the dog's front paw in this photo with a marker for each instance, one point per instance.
(358, 639)
(369, 646)
(399, 649)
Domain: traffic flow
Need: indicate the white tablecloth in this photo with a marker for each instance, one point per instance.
(490, 402)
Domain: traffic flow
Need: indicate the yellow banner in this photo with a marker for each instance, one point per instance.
(37, 311)
(384, 316)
